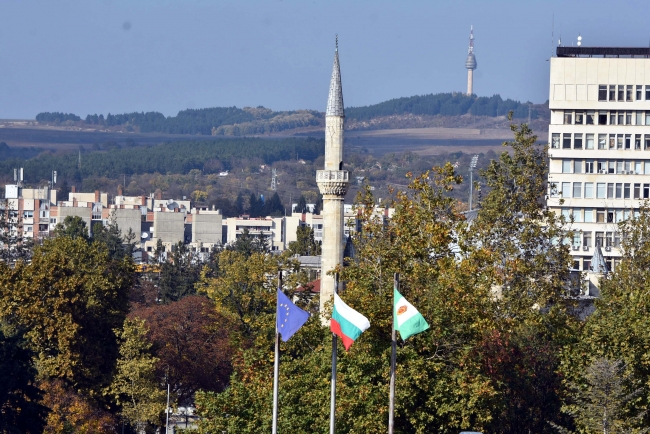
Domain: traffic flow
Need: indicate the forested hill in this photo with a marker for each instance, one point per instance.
(177, 157)
(233, 121)
(229, 121)
(444, 104)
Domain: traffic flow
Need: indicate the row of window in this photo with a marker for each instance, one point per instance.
(615, 167)
(598, 215)
(635, 142)
(602, 190)
(605, 117)
(611, 263)
(602, 239)
(623, 92)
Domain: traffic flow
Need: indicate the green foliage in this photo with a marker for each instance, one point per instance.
(177, 157)
(72, 227)
(178, 275)
(248, 244)
(56, 117)
(69, 298)
(134, 385)
(445, 104)
(20, 410)
(305, 245)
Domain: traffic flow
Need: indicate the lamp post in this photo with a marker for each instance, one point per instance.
(472, 166)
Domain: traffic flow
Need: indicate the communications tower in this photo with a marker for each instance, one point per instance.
(470, 63)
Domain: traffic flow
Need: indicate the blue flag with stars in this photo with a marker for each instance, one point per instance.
(289, 317)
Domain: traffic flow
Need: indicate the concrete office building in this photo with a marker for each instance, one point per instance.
(600, 143)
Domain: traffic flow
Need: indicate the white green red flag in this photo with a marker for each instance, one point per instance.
(408, 321)
(347, 323)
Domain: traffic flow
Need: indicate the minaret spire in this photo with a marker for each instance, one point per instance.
(335, 98)
(333, 183)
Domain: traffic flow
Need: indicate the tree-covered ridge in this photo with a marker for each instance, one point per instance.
(445, 104)
(56, 117)
(229, 121)
(177, 157)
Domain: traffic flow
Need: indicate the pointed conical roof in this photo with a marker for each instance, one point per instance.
(598, 264)
(335, 98)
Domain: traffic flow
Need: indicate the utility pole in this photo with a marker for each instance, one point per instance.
(472, 166)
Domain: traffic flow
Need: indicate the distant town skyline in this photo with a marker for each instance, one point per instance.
(119, 56)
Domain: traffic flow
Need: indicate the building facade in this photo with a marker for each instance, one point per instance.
(599, 144)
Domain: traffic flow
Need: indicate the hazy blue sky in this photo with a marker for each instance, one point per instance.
(116, 56)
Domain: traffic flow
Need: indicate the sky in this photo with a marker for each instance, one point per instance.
(117, 56)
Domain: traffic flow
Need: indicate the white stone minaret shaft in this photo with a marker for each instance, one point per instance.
(333, 183)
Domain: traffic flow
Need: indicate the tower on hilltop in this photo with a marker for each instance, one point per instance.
(333, 183)
(470, 63)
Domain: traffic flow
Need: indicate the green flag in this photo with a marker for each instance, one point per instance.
(408, 321)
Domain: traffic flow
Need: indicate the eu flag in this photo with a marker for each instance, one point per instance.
(289, 317)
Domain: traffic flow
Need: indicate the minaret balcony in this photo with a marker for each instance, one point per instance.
(333, 182)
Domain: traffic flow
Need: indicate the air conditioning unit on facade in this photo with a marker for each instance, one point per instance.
(585, 248)
(603, 171)
(608, 248)
(576, 247)
(631, 172)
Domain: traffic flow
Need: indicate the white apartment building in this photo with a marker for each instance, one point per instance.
(600, 143)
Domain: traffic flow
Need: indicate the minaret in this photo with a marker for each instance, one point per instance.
(333, 184)
(470, 63)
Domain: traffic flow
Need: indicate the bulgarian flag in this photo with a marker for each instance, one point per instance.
(408, 321)
(347, 323)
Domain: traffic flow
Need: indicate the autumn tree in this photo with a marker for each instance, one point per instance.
(191, 341)
(134, 385)
(72, 227)
(69, 299)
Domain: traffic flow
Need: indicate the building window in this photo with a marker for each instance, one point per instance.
(590, 142)
(617, 239)
(589, 190)
(646, 191)
(610, 169)
(608, 239)
(639, 92)
(599, 239)
(566, 189)
(566, 166)
(638, 167)
(619, 191)
(637, 142)
(580, 118)
(612, 92)
(577, 166)
(28, 214)
(611, 216)
(626, 190)
(639, 118)
(589, 166)
(566, 141)
(621, 92)
(28, 228)
(647, 118)
(586, 239)
(555, 141)
(602, 92)
(600, 190)
(628, 93)
(590, 117)
(577, 189)
(619, 167)
(619, 141)
(612, 118)
(602, 141)
(620, 118)
(589, 215)
(577, 141)
(568, 118)
(637, 191)
(619, 215)
(646, 142)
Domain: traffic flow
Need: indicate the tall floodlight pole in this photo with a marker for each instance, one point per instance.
(472, 166)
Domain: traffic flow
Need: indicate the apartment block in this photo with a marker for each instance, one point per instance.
(599, 144)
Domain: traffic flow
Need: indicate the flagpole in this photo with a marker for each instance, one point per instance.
(334, 354)
(276, 366)
(393, 357)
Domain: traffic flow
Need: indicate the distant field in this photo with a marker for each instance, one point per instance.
(424, 141)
